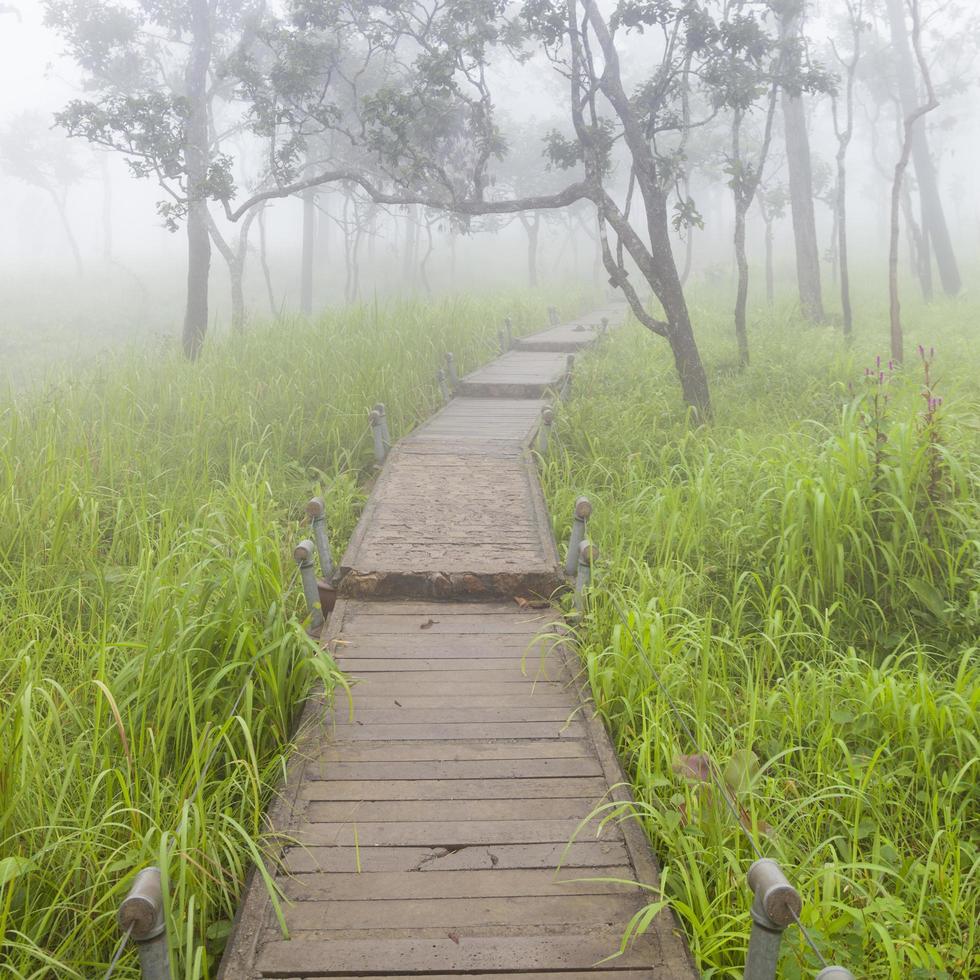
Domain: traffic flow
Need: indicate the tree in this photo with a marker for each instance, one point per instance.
(31, 153)
(772, 198)
(912, 120)
(154, 70)
(907, 60)
(844, 130)
(432, 133)
(800, 177)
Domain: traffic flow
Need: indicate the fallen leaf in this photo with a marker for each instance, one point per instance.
(531, 603)
(695, 767)
(428, 624)
(454, 936)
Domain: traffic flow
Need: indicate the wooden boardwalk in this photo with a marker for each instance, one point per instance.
(445, 828)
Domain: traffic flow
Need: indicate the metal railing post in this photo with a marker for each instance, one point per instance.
(776, 903)
(582, 512)
(544, 430)
(587, 554)
(303, 554)
(316, 510)
(443, 385)
(141, 915)
(566, 384)
(451, 370)
(377, 431)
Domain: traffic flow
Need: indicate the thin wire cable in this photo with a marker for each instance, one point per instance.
(120, 946)
(712, 769)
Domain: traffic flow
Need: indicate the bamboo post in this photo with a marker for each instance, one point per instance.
(451, 370)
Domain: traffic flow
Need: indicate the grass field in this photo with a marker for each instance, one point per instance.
(802, 574)
(151, 661)
(803, 577)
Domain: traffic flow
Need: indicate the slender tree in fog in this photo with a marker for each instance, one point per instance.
(909, 63)
(153, 70)
(842, 107)
(32, 153)
(913, 121)
(798, 165)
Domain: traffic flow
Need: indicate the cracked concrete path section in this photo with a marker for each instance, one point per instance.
(451, 823)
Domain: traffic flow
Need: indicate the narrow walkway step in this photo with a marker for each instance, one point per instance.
(564, 339)
(516, 374)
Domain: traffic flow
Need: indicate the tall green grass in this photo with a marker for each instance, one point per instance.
(148, 608)
(804, 576)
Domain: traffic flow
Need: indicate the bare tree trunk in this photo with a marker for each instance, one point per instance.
(742, 291)
(912, 120)
(264, 262)
(307, 257)
(801, 206)
(106, 206)
(62, 209)
(425, 258)
(845, 271)
(933, 216)
(196, 156)
(532, 226)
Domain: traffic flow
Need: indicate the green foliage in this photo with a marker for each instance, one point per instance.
(148, 608)
(804, 576)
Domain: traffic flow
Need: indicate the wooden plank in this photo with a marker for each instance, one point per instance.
(453, 789)
(452, 833)
(387, 885)
(410, 811)
(434, 623)
(402, 715)
(451, 751)
(378, 685)
(503, 666)
(468, 769)
(310, 919)
(500, 857)
(628, 974)
(377, 732)
(521, 955)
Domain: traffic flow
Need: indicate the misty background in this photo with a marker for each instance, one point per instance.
(86, 262)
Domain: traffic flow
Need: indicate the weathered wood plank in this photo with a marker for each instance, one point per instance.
(409, 811)
(454, 789)
(316, 918)
(456, 715)
(568, 952)
(380, 732)
(500, 857)
(387, 885)
(451, 751)
(452, 833)
(467, 769)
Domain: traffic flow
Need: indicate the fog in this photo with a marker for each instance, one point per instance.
(128, 281)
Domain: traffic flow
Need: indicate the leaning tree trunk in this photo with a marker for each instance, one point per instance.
(62, 209)
(933, 216)
(196, 161)
(845, 271)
